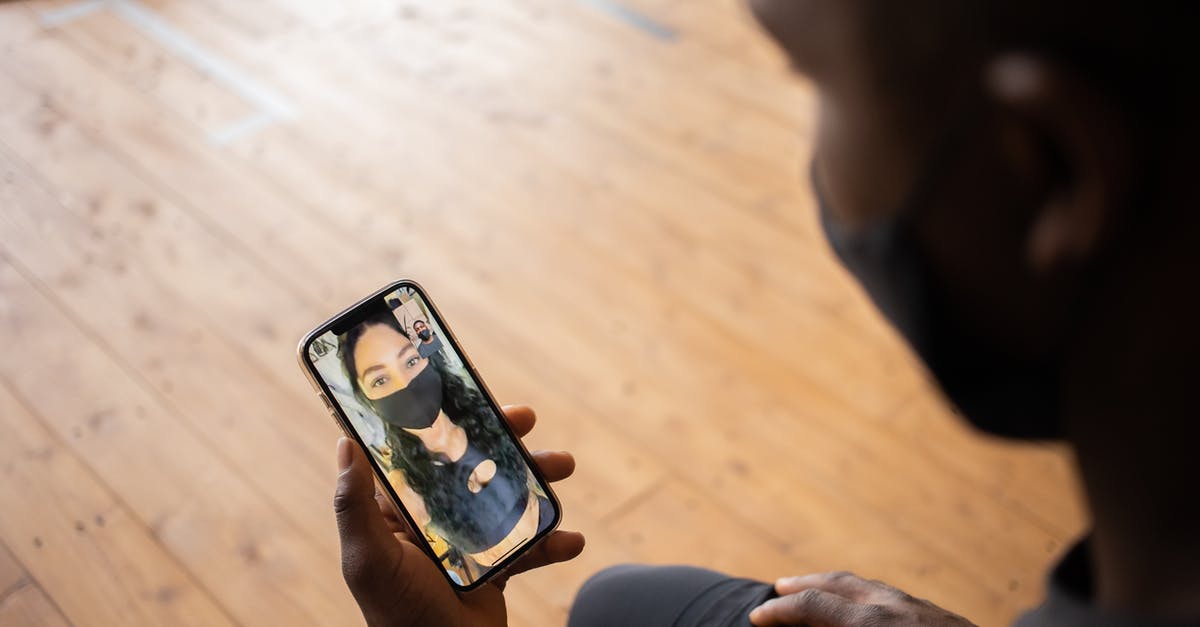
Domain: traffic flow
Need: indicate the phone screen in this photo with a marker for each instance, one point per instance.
(433, 432)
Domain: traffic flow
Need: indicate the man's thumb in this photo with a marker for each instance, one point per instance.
(364, 532)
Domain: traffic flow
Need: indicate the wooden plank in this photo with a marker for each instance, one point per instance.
(154, 69)
(57, 151)
(255, 563)
(106, 199)
(1002, 522)
(148, 135)
(11, 573)
(836, 376)
(665, 527)
(776, 453)
(608, 479)
(1038, 480)
(69, 529)
(714, 273)
(605, 317)
(29, 606)
(275, 318)
(186, 14)
(708, 121)
(313, 186)
(172, 256)
(723, 29)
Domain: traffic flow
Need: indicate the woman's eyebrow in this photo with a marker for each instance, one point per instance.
(369, 370)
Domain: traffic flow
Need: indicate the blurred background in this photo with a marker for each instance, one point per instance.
(604, 198)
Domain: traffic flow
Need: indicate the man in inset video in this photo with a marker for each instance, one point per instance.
(427, 342)
(1013, 184)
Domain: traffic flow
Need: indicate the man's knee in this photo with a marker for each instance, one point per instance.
(594, 602)
(640, 595)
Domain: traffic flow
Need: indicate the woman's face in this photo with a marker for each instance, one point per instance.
(385, 361)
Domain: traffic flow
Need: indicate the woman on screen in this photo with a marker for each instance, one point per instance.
(445, 440)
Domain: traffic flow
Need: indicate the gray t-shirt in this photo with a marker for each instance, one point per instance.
(425, 349)
(1070, 599)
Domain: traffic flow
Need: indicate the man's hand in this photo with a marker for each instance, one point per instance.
(845, 600)
(394, 583)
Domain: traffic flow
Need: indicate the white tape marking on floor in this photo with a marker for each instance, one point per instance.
(72, 12)
(145, 20)
(241, 128)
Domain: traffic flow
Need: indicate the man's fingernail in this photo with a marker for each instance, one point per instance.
(345, 454)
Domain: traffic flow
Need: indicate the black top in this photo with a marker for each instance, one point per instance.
(493, 511)
(1070, 599)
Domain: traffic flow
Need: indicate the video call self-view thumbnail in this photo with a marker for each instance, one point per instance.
(411, 400)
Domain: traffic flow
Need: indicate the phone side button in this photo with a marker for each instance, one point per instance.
(345, 430)
(333, 414)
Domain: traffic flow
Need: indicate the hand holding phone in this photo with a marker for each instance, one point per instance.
(437, 496)
(394, 583)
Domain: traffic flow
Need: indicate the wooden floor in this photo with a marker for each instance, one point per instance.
(606, 202)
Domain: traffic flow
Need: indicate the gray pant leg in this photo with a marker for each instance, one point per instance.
(631, 595)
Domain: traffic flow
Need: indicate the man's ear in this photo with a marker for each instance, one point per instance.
(1078, 140)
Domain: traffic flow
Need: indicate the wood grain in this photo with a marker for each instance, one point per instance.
(29, 606)
(77, 537)
(614, 225)
(12, 576)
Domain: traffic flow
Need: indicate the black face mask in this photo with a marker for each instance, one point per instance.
(996, 391)
(416, 406)
(424, 334)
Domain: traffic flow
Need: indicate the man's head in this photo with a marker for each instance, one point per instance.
(1031, 154)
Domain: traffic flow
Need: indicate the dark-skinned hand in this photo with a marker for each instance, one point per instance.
(842, 599)
(394, 582)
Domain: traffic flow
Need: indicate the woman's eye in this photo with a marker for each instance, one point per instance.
(379, 381)
(412, 363)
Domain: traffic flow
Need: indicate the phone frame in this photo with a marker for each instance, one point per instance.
(349, 316)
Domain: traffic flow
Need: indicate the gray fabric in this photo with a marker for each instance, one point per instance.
(666, 596)
(425, 350)
(682, 596)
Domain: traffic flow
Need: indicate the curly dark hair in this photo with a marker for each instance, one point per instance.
(466, 407)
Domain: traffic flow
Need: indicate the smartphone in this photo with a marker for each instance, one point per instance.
(399, 384)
